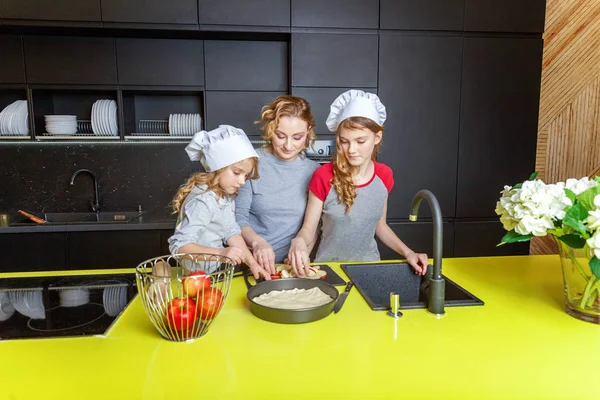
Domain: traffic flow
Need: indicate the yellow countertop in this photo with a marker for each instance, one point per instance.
(520, 345)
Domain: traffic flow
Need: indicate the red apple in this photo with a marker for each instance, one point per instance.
(181, 314)
(194, 283)
(210, 303)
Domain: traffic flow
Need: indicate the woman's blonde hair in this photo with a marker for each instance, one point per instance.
(342, 170)
(210, 179)
(286, 106)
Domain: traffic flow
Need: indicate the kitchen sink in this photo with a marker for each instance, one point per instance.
(69, 218)
(375, 282)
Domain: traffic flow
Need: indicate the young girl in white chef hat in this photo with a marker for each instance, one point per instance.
(205, 203)
(350, 194)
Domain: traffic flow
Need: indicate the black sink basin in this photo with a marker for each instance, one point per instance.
(69, 218)
(375, 282)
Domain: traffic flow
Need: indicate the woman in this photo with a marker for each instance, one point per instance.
(271, 208)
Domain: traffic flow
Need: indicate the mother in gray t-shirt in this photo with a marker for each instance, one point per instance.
(270, 209)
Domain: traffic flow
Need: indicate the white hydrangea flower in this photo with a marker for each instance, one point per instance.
(597, 201)
(532, 208)
(593, 220)
(580, 185)
(594, 243)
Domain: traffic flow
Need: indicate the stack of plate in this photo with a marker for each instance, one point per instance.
(61, 124)
(74, 297)
(13, 119)
(6, 307)
(104, 118)
(114, 299)
(28, 303)
(184, 124)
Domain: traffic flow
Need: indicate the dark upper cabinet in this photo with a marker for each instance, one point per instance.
(240, 65)
(239, 109)
(33, 252)
(63, 10)
(418, 236)
(11, 54)
(444, 15)
(334, 60)
(160, 62)
(419, 83)
(150, 11)
(479, 239)
(498, 119)
(320, 100)
(505, 15)
(336, 13)
(244, 12)
(70, 60)
(116, 249)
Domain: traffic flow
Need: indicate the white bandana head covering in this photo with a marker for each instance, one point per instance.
(220, 147)
(355, 103)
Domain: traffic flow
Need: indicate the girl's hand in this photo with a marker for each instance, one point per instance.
(235, 253)
(298, 257)
(258, 271)
(418, 261)
(264, 255)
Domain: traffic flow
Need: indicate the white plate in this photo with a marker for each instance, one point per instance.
(112, 110)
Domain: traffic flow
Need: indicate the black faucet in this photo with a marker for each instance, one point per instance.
(433, 277)
(95, 205)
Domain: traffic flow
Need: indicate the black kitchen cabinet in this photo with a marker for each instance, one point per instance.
(498, 119)
(11, 54)
(150, 11)
(336, 13)
(418, 236)
(244, 12)
(164, 241)
(445, 15)
(70, 60)
(479, 239)
(239, 65)
(63, 10)
(320, 100)
(334, 60)
(33, 252)
(419, 83)
(239, 109)
(118, 249)
(160, 62)
(505, 15)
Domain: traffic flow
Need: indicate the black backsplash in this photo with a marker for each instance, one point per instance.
(35, 176)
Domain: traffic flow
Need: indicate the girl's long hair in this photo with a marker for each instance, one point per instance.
(342, 170)
(210, 179)
(286, 106)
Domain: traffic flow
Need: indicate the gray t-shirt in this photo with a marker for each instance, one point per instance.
(351, 237)
(273, 205)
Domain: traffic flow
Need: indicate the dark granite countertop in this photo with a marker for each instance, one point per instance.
(149, 220)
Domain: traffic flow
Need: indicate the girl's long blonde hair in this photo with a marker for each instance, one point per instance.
(286, 106)
(210, 179)
(342, 170)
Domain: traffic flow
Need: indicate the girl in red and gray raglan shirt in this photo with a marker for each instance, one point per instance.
(351, 236)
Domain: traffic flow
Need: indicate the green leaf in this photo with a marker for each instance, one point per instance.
(517, 186)
(595, 266)
(571, 195)
(597, 178)
(573, 240)
(575, 217)
(587, 198)
(513, 237)
(533, 176)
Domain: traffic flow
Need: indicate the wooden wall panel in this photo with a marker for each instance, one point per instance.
(569, 122)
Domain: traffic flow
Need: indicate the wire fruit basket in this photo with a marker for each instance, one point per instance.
(183, 293)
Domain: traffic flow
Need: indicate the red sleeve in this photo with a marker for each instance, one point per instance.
(386, 175)
(320, 183)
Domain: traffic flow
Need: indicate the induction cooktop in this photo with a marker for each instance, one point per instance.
(63, 306)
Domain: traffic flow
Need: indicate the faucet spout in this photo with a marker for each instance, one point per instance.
(94, 205)
(437, 284)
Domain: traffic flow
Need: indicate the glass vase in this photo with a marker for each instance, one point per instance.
(582, 288)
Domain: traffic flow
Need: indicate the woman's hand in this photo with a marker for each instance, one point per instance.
(418, 261)
(298, 256)
(258, 271)
(235, 253)
(264, 255)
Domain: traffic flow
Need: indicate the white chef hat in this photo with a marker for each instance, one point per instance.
(220, 147)
(355, 103)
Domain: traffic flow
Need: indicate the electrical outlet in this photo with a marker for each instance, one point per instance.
(322, 148)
